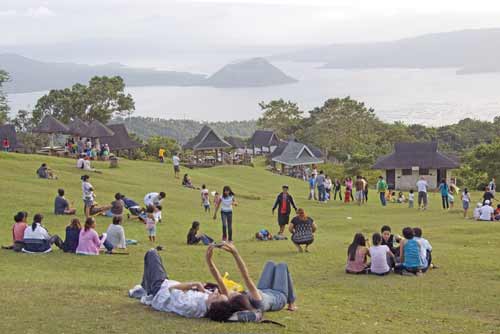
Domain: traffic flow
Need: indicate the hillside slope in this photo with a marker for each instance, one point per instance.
(59, 290)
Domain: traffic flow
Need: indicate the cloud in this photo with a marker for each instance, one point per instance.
(9, 12)
(41, 11)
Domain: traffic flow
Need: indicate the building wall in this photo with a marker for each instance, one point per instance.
(407, 182)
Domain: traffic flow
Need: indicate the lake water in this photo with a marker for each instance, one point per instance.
(431, 96)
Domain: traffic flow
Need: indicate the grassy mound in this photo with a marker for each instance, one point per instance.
(58, 292)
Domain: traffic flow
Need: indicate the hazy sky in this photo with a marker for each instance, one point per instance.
(199, 23)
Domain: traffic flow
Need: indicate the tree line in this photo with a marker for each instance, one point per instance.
(347, 131)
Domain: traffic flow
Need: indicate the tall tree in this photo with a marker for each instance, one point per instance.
(284, 118)
(103, 98)
(342, 127)
(4, 106)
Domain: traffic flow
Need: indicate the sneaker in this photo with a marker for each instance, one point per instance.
(407, 273)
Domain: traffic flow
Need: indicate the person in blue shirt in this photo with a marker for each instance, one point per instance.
(444, 189)
(410, 249)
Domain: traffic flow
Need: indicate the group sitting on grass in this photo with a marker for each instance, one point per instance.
(35, 238)
(273, 292)
(412, 257)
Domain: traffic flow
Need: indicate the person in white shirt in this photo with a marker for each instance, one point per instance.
(486, 213)
(37, 239)
(80, 162)
(205, 198)
(153, 199)
(176, 161)
(379, 255)
(422, 186)
(477, 211)
(465, 201)
(189, 300)
(115, 233)
(425, 249)
(411, 199)
(87, 194)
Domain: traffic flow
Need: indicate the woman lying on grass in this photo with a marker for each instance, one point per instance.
(189, 299)
(198, 300)
(273, 292)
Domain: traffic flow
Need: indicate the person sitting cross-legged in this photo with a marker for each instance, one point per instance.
(37, 239)
(61, 204)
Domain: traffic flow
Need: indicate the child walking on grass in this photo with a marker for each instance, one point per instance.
(205, 198)
(151, 226)
(411, 199)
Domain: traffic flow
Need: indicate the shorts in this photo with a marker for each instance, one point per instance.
(206, 206)
(152, 231)
(283, 220)
(359, 195)
(176, 169)
(135, 211)
(465, 205)
(88, 202)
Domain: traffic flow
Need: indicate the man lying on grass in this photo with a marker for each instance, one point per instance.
(198, 300)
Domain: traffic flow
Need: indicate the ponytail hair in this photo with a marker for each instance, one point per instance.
(37, 219)
(88, 223)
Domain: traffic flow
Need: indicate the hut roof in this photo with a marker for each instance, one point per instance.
(9, 131)
(261, 138)
(120, 140)
(78, 127)
(408, 155)
(207, 139)
(98, 130)
(236, 142)
(50, 124)
(294, 153)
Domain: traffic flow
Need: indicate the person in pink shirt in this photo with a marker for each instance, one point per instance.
(18, 232)
(89, 242)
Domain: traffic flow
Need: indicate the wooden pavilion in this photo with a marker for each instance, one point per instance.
(266, 141)
(9, 131)
(208, 149)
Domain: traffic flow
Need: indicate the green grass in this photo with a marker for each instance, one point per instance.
(61, 293)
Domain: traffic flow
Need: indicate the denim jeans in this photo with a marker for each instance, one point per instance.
(321, 193)
(382, 198)
(154, 272)
(227, 225)
(276, 277)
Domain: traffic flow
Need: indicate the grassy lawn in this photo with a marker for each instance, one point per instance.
(61, 293)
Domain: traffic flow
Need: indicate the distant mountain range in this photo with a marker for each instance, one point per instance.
(470, 51)
(30, 75)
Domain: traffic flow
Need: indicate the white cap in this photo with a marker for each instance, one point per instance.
(487, 202)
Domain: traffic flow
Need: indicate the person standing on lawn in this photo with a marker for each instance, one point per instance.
(382, 188)
(320, 184)
(444, 189)
(176, 161)
(226, 204)
(284, 202)
(493, 185)
(422, 186)
(360, 188)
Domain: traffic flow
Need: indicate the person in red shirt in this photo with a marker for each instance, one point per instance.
(284, 202)
(6, 144)
(18, 232)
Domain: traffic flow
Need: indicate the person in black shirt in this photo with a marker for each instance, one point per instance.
(488, 195)
(284, 202)
(388, 239)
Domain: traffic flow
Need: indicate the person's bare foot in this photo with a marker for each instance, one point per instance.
(292, 307)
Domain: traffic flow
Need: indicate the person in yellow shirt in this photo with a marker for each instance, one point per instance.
(161, 154)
